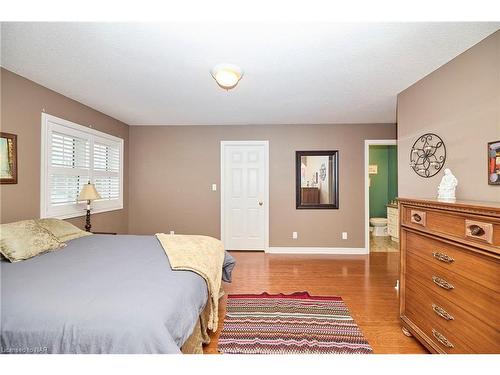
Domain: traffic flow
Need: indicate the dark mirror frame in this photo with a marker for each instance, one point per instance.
(335, 172)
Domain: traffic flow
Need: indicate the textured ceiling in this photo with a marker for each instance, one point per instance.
(295, 73)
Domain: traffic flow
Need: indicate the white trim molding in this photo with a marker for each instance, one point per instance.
(368, 143)
(318, 250)
(223, 145)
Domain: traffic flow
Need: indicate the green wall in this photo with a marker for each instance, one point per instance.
(392, 164)
(384, 184)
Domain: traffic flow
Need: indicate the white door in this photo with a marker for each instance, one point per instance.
(244, 195)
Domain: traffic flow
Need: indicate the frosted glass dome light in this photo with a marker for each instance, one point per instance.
(227, 76)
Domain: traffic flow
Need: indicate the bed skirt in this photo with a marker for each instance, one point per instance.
(199, 337)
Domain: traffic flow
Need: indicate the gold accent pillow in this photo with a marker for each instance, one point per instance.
(26, 239)
(63, 230)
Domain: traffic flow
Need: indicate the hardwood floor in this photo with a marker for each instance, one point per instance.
(365, 282)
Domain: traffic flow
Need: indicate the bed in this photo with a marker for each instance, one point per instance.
(101, 294)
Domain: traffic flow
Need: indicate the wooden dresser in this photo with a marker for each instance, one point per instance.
(309, 195)
(450, 274)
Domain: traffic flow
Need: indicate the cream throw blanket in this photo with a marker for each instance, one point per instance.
(201, 254)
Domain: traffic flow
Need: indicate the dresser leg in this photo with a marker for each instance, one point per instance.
(406, 332)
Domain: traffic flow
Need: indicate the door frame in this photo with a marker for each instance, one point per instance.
(223, 145)
(368, 143)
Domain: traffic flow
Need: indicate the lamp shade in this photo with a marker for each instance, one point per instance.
(89, 193)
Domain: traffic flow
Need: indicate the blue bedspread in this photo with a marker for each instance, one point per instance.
(100, 294)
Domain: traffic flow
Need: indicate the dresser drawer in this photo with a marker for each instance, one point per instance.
(474, 230)
(474, 298)
(428, 309)
(471, 265)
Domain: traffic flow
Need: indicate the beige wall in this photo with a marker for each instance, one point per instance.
(173, 168)
(460, 102)
(22, 102)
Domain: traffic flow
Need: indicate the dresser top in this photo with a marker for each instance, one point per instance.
(457, 204)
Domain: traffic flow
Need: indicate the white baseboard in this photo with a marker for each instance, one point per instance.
(318, 250)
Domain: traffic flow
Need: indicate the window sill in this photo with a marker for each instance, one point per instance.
(84, 213)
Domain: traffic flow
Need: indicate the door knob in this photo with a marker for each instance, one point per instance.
(261, 203)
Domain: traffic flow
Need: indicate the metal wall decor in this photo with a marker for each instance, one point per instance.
(428, 154)
(322, 172)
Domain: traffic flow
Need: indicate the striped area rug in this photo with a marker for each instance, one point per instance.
(289, 324)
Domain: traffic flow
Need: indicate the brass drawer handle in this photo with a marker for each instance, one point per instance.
(479, 230)
(417, 218)
(442, 283)
(442, 312)
(442, 339)
(476, 230)
(443, 257)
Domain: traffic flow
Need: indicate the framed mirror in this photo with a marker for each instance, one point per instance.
(317, 179)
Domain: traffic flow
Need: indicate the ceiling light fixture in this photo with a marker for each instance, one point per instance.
(227, 76)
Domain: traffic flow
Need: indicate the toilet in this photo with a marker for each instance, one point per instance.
(379, 225)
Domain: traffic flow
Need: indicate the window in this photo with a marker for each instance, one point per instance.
(73, 155)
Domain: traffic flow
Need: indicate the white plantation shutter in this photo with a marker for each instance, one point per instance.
(65, 189)
(69, 151)
(108, 187)
(106, 170)
(106, 157)
(73, 155)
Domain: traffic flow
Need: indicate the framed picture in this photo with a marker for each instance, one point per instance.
(494, 163)
(8, 158)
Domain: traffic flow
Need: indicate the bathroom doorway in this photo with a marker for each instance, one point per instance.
(381, 191)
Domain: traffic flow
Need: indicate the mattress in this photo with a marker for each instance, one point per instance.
(100, 294)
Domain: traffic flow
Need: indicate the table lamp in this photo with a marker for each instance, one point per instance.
(89, 194)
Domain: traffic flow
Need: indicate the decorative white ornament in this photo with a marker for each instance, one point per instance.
(446, 189)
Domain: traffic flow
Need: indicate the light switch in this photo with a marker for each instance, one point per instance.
(214, 187)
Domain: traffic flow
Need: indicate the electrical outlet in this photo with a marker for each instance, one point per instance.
(172, 232)
(214, 187)
(344, 235)
(295, 235)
